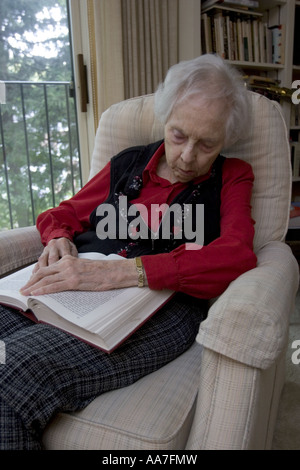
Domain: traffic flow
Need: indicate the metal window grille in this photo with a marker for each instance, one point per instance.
(39, 150)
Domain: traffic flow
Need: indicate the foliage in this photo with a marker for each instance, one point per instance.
(39, 161)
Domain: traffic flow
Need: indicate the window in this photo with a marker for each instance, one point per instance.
(39, 144)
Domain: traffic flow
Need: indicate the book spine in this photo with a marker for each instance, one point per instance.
(255, 35)
(268, 42)
(240, 40)
(262, 42)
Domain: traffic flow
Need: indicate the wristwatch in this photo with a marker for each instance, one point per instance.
(140, 271)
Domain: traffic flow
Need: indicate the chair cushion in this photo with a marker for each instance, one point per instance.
(266, 148)
(154, 413)
(123, 125)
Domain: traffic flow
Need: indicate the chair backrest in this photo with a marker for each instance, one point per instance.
(266, 148)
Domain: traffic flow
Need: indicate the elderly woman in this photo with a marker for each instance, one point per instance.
(203, 106)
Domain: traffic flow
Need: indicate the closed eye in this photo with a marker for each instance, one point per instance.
(207, 146)
(178, 137)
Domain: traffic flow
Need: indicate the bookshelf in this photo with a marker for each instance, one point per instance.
(273, 26)
(254, 39)
(270, 13)
(261, 22)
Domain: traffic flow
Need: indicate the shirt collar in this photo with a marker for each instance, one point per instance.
(150, 170)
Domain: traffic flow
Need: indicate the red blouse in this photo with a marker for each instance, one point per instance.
(204, 272)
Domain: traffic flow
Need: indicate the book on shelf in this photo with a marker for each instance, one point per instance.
(102, 319)
(206, 33)
(256, 48)
(219, 32)
(278, 43)
(242, 36)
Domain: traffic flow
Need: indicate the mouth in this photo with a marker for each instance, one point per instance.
(185, 173)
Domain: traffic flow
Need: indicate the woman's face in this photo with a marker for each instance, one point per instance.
(194, 136)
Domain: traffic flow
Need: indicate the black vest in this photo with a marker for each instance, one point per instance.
(125, 185)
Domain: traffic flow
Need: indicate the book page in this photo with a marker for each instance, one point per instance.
(99, 256)
(124, 311)
(15, 281)
(78, 304)
(11, 285)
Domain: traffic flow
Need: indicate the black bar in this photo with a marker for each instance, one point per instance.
(70, 138)
(5, 169)
(49, 145)
(27, 152)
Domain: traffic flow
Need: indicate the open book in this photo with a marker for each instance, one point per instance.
(103, 319)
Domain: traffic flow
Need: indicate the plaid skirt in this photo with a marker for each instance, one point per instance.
(48, 371)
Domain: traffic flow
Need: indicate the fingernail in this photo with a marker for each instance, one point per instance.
(24, 291)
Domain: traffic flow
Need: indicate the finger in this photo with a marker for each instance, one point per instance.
(74, 251)
(42, 261)
(45, 287)
(58, 248)
(40, 274)
(35, 268)
(53, 257)
(69, 248)
(49, 289)
(46, 278)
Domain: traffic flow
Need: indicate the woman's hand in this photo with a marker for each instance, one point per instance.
(70, 273)
(54, 251)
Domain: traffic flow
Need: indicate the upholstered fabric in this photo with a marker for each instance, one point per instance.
(126, 124)
(237, 404)
(123, 419)
(249, 321)
(267, 150)
(18, 248)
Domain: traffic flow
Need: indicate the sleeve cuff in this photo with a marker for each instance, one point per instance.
(161, 271)
(59, 233)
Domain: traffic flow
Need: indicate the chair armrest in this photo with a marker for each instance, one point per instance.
(237, 405)
(18, 248)
(249, 322)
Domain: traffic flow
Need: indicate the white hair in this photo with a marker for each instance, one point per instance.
(213, 79)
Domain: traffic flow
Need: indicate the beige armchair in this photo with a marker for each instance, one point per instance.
(223, 393)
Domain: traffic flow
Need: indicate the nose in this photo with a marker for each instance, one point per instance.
(188, 153)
